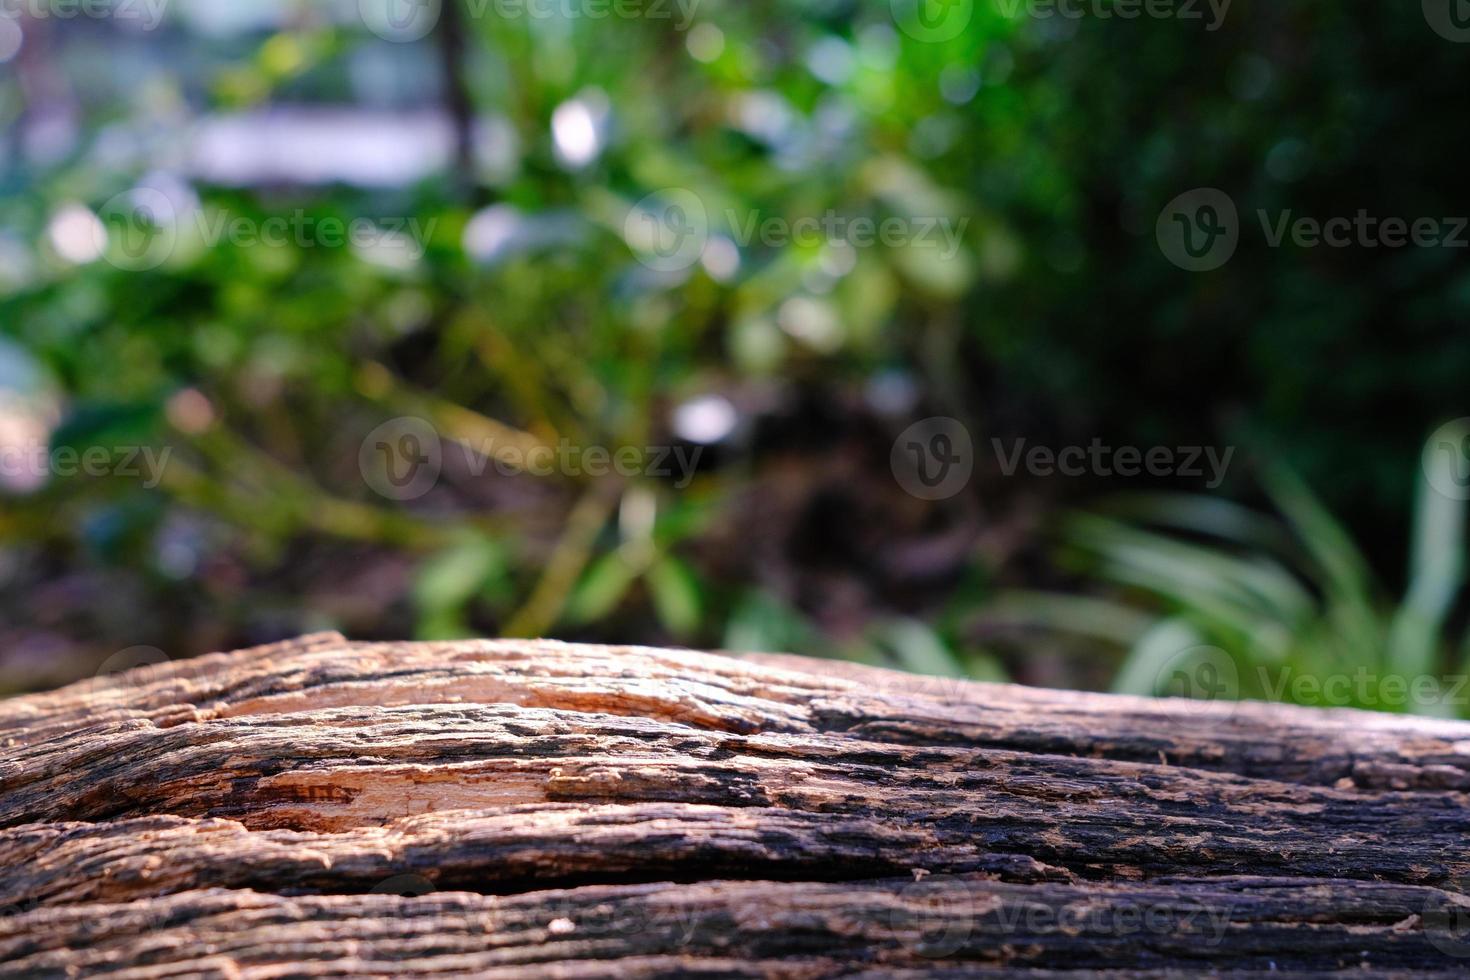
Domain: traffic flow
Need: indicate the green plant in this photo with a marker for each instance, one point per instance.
(762, 622)
(1209, 598)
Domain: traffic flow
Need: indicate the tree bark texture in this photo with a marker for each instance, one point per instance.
(532, 808)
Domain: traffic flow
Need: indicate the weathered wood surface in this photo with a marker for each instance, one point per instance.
(510, 808)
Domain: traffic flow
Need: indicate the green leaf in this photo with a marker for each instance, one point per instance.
(1168, 647)
(601, 589)
(764, 623)
(444, 624)
(1344, 569)
(1082, 615)
(1436, 572)
(982, 666)
(675, 593)
(450, 578)
(1204, 515)
(920, 649)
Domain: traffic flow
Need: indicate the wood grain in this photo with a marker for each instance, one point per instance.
(531, 808)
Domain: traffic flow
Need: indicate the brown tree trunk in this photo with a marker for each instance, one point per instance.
(516, 808)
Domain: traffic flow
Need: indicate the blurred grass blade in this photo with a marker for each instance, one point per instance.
(451, 577)
(764, 623)
(1249, 597)
(919, 649)
(1196, 513)
(675, 594)
(1101, 619)
(1344, 576)
(1436, 572)
(1156, 653)
(1344, 569)
(602, 588)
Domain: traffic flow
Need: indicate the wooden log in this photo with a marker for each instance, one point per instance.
(515, 808)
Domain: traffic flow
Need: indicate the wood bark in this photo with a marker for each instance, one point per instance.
(531, 808)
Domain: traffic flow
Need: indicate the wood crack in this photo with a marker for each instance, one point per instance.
(507, 808)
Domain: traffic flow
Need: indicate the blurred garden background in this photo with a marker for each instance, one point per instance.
(255, 257)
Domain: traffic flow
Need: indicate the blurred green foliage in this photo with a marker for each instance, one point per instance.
(529, 316)
(1259, 607)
